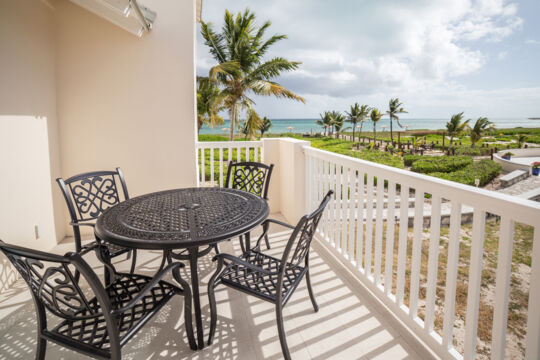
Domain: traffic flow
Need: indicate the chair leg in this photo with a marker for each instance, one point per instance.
(133, 261)
(212, 299)
(242, 246)
(311, 294)
(281, 331)
(267, 241)
(41, 348)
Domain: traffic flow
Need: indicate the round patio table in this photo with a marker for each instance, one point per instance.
(183, 219)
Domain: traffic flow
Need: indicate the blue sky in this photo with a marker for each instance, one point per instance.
(439, 57)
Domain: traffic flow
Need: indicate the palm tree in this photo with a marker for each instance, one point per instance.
(324, 121)
(252, 124)
(521, 139)
(209, 103)
(375, 116)
(239, 50)
(338, 122)
(394, 108)
(480, 127)
(265, 125)
(354, 117)
(456, 126)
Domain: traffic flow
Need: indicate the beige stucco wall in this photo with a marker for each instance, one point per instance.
(25, 184)
(109, 98)
(27, 88)
(127, 101)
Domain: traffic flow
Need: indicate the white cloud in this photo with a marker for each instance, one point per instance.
(532, 42)
(366, 49)
(502, 55)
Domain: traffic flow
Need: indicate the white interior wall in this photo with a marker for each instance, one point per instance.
(27, 88)
(127, 101)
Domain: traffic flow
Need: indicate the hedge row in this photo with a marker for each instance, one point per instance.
(408, 160)
(485, 170)
(444, 164)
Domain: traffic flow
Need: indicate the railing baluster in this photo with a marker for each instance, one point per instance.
(360, 221)
(351, 185)
(344, 206)
(247, 153)
(402, 244)
(502, 288)
(309, 187)
(451, 276)
(339, 209)
(389, 261)
(475, 279)
(203, 170)
(369, 224)
(532, 351)
(332, 174)
(416, 252)
(324, 184)
(433, 262)
(212, 167)
(221, 167)
(379, 229)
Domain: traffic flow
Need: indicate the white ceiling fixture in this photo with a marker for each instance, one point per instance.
(127, 14)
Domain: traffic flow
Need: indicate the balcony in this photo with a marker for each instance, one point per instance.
(404, 265)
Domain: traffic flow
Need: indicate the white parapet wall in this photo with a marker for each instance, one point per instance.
(511, 165)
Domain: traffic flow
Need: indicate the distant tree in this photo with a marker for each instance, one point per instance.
(456, 126)
(325, 121)
(356, 115)
(375, 116)
(265, 125)
(394, 108)
(338, 122)
(209, 103)
(521, 139)
(239, 50)
(479, 129)
(252, 124)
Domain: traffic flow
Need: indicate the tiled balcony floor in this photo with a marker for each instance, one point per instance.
(349, 324)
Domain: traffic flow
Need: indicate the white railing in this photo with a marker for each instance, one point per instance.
(362, 227)
(213, 159)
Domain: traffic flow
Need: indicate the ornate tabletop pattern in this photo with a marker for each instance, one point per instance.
(181, 218)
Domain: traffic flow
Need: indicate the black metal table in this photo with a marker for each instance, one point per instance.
(183, 219)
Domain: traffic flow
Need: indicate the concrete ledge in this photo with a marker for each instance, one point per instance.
(514, 177)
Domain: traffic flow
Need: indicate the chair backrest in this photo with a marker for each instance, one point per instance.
(253, 177)
(297, 249)
(54, 284)
(87, 195)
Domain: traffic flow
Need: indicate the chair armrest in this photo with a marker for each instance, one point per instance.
(266, 223)
(278, 222)
(148, 288)
(82, 224)
(244, 263)
(87, 248)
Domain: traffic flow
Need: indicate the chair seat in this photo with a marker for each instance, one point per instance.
(92, 331)
(260, 284)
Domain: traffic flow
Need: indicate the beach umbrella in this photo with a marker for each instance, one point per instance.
(290, 128)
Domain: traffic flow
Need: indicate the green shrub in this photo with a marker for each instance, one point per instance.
(408, 160)
(485, 170)
(378, 157)
(444, 164)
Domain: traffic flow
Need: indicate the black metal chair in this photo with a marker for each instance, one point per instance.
(253, 177)
(99, 320)
(267, 277)
(87, 195)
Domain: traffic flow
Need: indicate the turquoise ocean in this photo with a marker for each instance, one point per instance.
(280, 126)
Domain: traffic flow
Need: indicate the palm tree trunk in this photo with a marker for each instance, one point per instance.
(391, 133)
(360, 132)
(232, 115)
(374, 134)
(354, 126)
